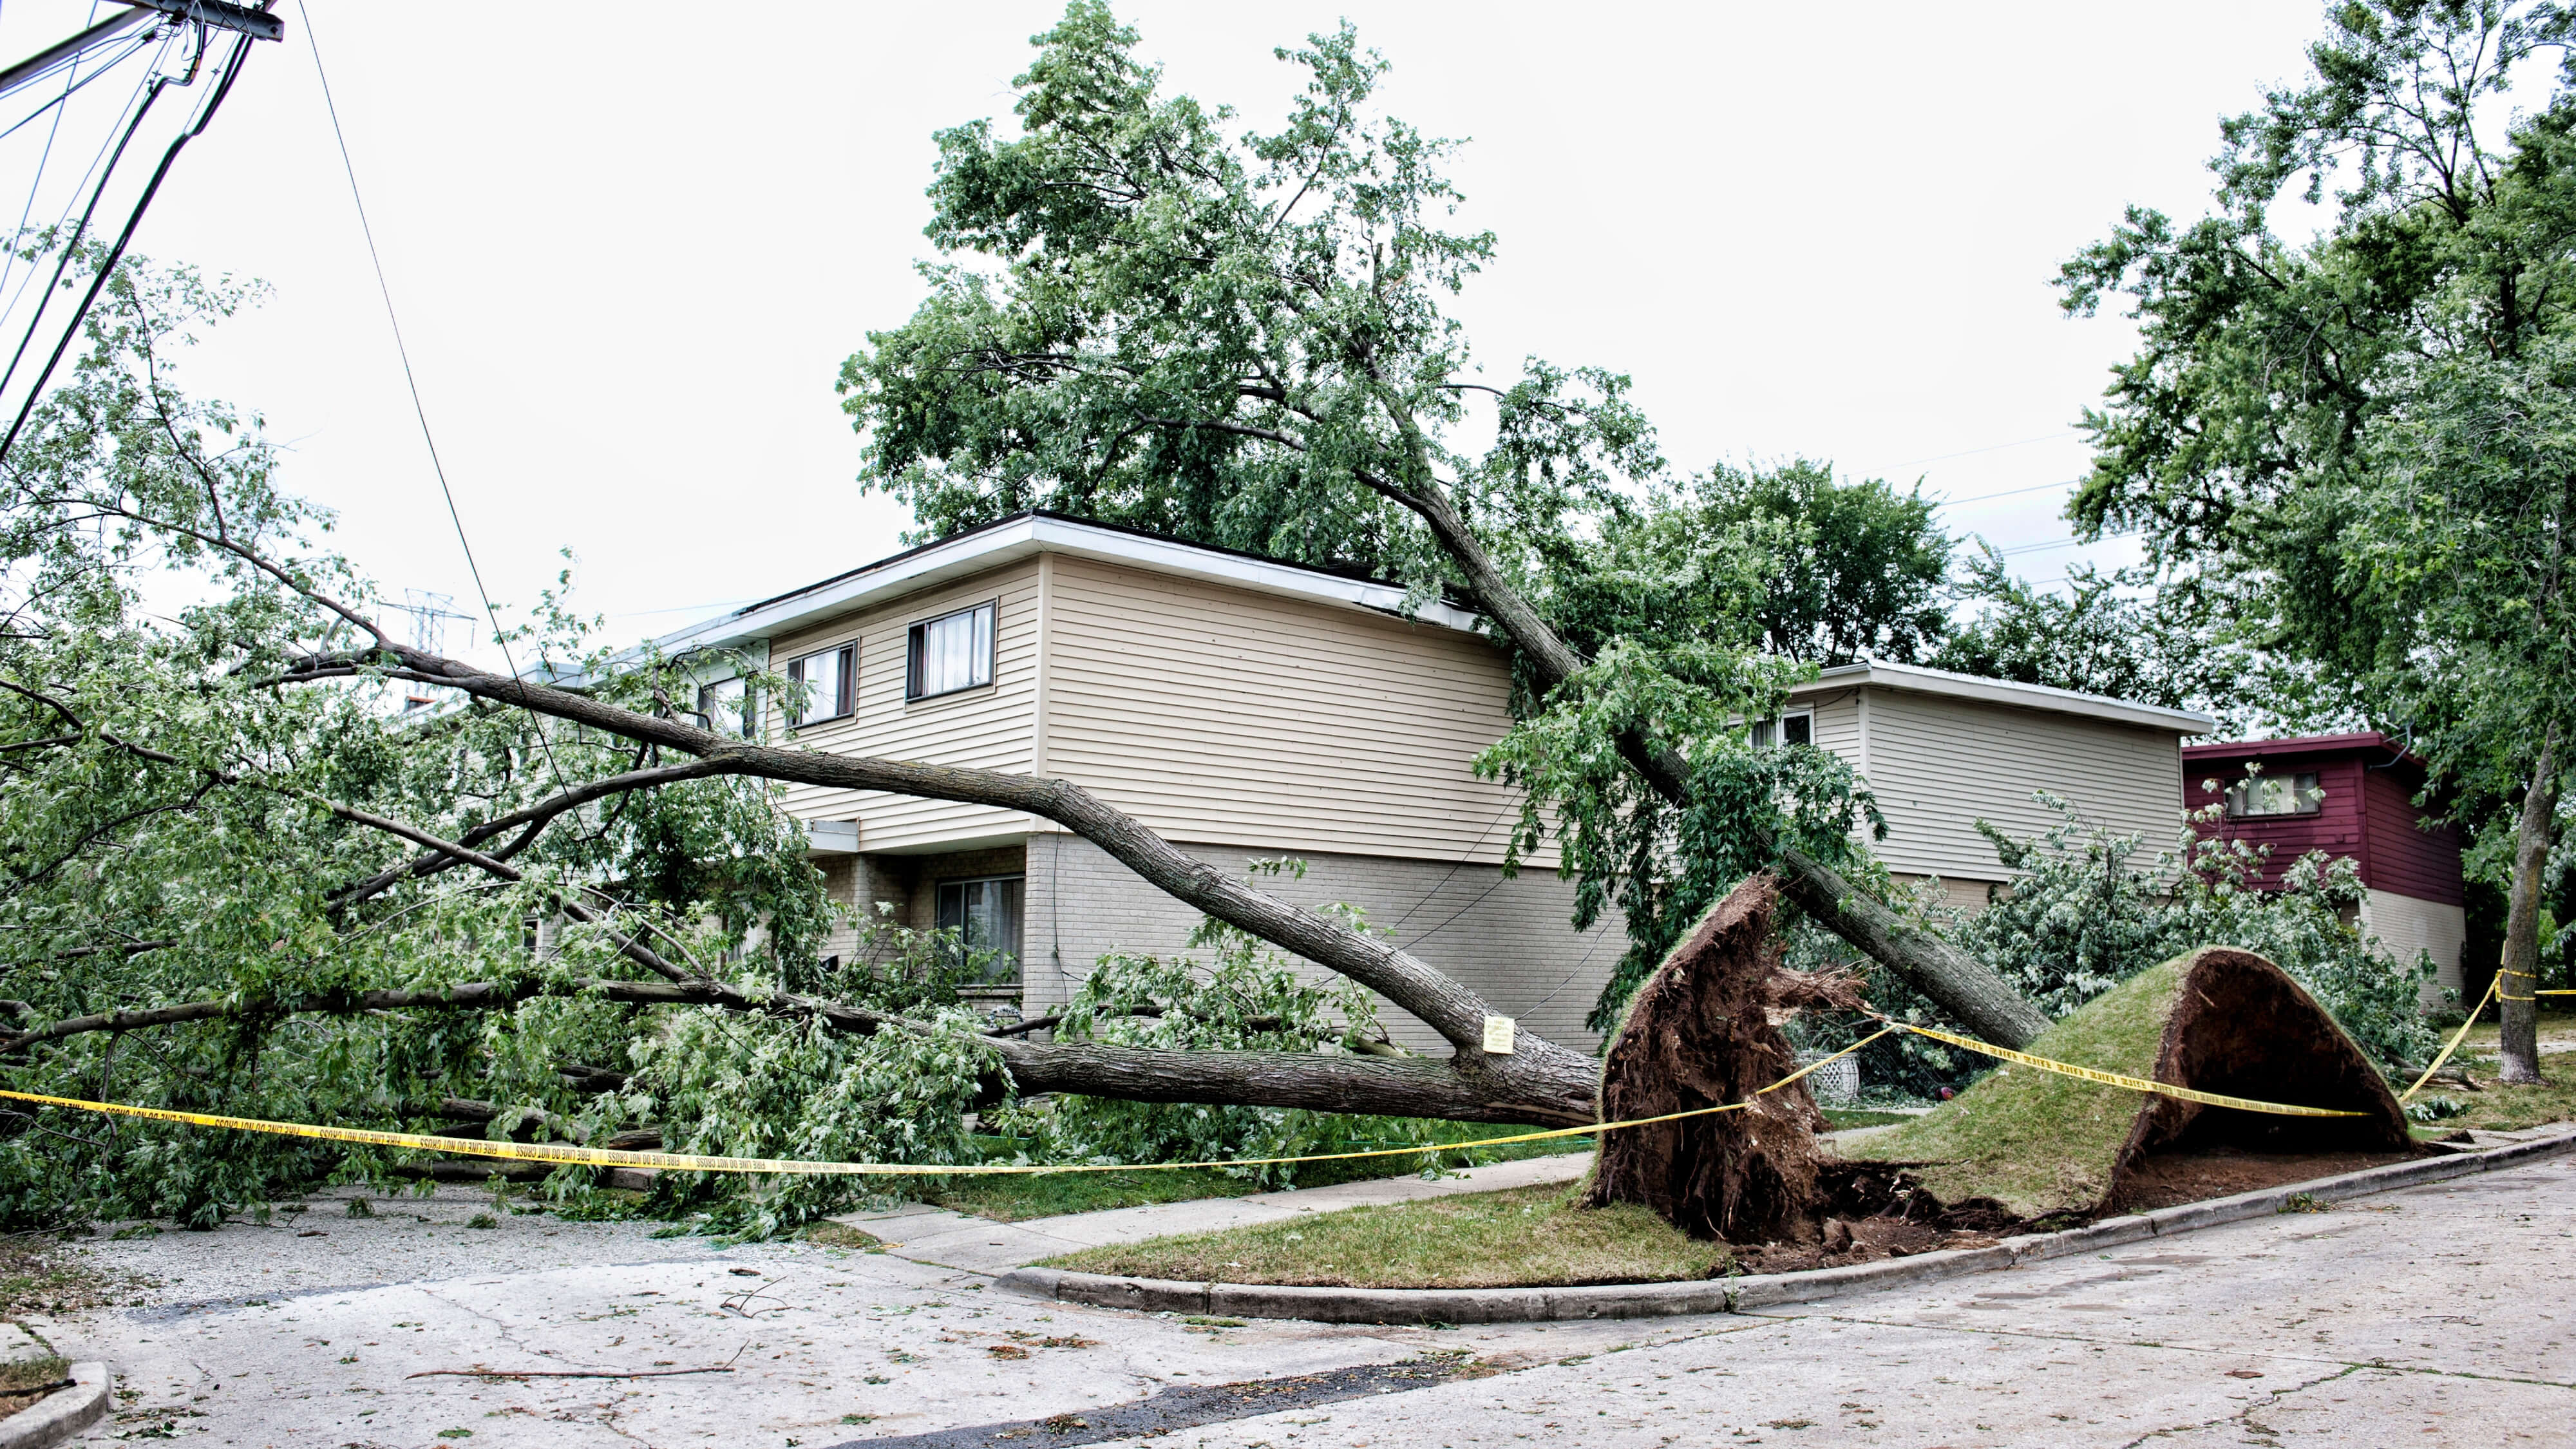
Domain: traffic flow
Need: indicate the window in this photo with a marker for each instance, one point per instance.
(826, 676)
(985, 914)
(725, 707)
(1788, 729)
(2275, 795)
(950, 653)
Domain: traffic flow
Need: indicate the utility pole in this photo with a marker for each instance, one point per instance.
(257, 24)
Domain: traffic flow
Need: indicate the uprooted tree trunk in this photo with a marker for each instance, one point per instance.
(1704, 1031)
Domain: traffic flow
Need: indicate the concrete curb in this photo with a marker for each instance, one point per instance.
(1733, 1295)
(58, 1416)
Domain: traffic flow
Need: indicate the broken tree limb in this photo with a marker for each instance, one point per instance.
(1532, 1088)
(1444, 1005)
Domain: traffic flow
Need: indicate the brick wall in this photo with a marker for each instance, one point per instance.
(907, 882)
(1509, 940)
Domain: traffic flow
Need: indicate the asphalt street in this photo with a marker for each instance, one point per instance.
(2432, 1316)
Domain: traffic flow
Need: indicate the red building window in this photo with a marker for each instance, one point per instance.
(2275, 795)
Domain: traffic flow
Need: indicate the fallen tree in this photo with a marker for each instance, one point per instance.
(221, 849)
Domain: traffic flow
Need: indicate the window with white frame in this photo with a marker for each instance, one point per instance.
(823, 683)
(2258, 795)
(985, 914)
(950, 653)
(1797, 728)
(726, 707)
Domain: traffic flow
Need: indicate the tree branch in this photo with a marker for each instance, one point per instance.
(1554, 1090)
(536, 817)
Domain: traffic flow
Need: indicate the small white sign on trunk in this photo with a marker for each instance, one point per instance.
(1498, 1036)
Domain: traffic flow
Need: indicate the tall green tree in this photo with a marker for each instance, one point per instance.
(2318, 433)
(1855, 570)
(1239, 338)
(2100, 636)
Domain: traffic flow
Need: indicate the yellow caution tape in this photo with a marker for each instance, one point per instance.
(567, 1154)
(2494, 984)
(2134, 1084)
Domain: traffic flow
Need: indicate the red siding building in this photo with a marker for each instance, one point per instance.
(2349, 795)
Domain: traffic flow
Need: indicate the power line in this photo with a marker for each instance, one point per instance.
(72, 86)
(133, 219)
(402, 351)
(36, 183)
(106, 143)
(2007, 493)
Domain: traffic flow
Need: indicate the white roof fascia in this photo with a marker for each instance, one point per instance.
(1916, 679)
(1027, 537)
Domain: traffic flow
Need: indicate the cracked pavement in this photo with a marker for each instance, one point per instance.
(2433, 1316)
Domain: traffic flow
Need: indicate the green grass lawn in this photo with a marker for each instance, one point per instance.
(1516, 1237)
(1043, 1195)
(2499, 1108)
(2038, 1141)
(1013, 1199)
(1843, 1119)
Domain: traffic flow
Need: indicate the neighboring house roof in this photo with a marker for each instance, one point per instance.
(2364, 741)
(1919, 680)
(1026, 535)
(2365, 809)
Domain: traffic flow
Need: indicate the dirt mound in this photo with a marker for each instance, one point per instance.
(2043, 1146)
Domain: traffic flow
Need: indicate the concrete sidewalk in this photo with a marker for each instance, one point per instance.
(946, 1239)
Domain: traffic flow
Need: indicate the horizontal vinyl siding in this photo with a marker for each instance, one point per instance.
(992, 728)
(1939, 765)
(2405, 858)
(1228, 716)
(1838, 723)
(2400, 925)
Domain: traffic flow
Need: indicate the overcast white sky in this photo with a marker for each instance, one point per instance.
(631, 244)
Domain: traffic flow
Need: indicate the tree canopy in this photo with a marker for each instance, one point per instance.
(2348, 443)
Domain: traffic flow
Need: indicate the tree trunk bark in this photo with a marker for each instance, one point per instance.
(1539, 1085)
(2518, 1009)
(1966, 988)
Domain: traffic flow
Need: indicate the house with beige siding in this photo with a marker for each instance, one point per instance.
(1941, 751)
(1247, 709)
(1242, 708)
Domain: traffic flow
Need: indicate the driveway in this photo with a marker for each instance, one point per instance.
(2433, 1316)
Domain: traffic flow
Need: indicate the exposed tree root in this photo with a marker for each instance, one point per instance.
(1703, 1031)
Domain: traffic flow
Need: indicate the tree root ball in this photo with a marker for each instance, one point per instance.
(1703, 1031)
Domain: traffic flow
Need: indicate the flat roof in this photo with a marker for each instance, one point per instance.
(1916, 679)
(1026, 535)
(2358, 742)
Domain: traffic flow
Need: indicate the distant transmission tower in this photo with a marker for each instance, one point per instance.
(429, 614)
